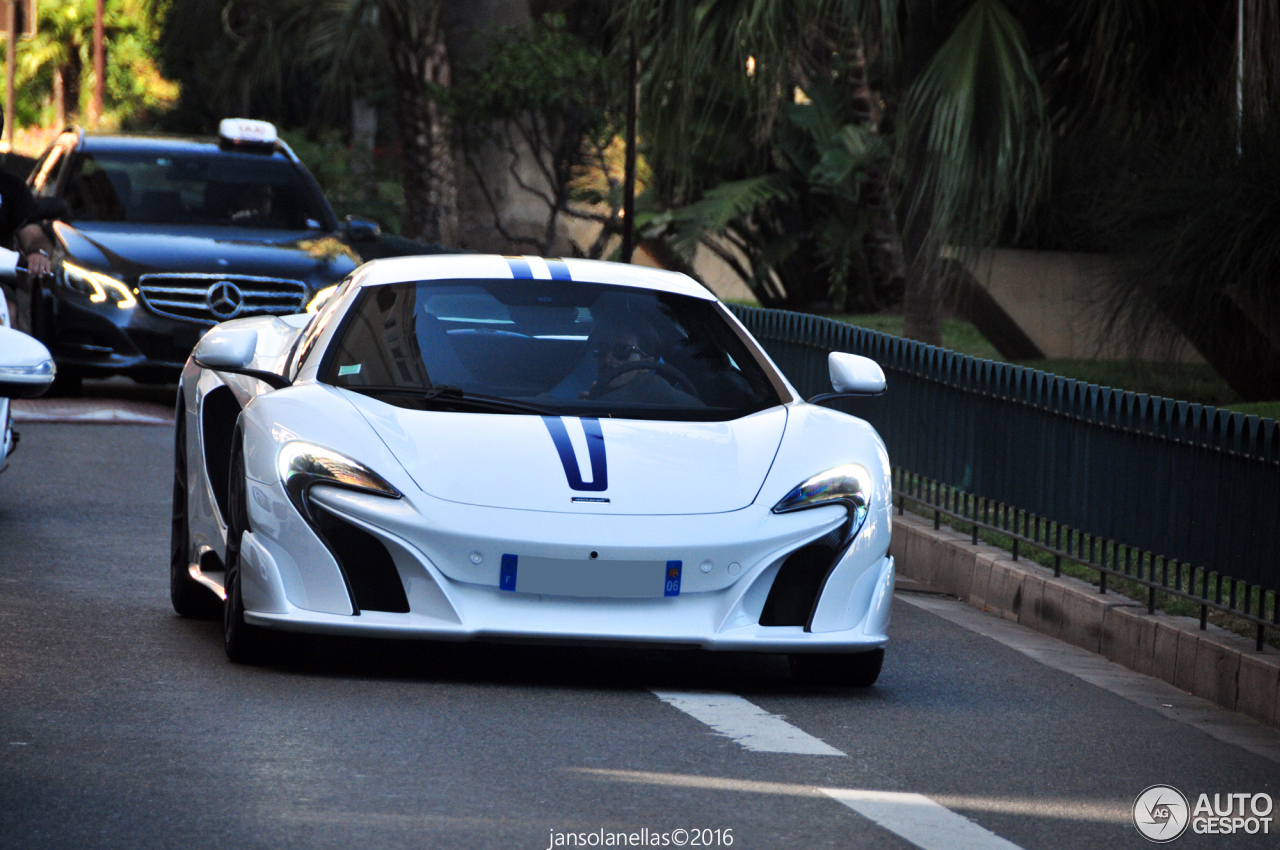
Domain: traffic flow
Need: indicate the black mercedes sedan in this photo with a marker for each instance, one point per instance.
(157, 239)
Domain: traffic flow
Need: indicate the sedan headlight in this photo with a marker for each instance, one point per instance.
(848, 485)
(100, 287)
(304, 465)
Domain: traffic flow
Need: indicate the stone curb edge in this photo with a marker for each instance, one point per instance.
(1214, 664)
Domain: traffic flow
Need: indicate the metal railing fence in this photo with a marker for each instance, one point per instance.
(1170, 495)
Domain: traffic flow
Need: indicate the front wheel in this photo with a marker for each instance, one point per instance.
(839, 670)
(245, 644)
(189, 597)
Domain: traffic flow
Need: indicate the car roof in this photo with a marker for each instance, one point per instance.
(493, 266)
(160, 144)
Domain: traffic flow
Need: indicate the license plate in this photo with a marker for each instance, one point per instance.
(602, 579)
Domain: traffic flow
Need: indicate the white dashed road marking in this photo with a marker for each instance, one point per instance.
(919, 820)
(747, 723)
(912, 817)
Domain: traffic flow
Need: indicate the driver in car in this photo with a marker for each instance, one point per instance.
(617, 343)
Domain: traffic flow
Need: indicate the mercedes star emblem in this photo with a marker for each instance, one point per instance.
(224, 299)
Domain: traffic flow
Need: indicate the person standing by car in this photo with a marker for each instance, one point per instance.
(17, 207)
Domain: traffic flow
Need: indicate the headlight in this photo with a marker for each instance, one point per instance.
(848, 485)
(304, 465)
(98, 286)
(318, 301)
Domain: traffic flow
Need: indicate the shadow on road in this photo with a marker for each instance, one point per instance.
(546, 665)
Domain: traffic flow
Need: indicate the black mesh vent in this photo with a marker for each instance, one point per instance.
(218, 414)
(370, 571)
(796, 587)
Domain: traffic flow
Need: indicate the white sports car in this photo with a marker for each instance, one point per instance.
(513, 448)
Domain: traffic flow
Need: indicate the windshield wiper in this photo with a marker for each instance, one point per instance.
(454, 396)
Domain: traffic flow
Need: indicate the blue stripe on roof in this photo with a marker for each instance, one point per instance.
(520, 268)
(559, 270)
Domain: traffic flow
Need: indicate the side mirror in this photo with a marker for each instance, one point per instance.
(855, 375)
(226, 349)
(48, 209)
(232, 350)
(362, 230)
(26, 367)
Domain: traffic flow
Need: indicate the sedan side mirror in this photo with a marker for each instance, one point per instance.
(26, 367)
(361, 230)
(232, 350)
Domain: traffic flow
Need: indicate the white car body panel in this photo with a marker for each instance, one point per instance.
(652, 467)
(478, 486)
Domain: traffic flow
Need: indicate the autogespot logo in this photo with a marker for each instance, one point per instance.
(224, 299)
(1161, 814)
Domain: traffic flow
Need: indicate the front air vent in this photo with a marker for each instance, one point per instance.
(219, 412)
(371, 573)
(209, 298)
(799, 581)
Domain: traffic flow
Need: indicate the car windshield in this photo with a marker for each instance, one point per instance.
(542, 346)
(213, 188)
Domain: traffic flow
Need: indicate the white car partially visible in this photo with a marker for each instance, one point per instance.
(26, 367)
(506, 448)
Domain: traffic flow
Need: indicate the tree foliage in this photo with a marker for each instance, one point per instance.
(134, 90)
(544, 99)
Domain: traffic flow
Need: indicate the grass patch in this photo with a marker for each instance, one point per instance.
(957, 334)
(1265, 409)
(1195, 382)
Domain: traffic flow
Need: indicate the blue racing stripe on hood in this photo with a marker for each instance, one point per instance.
(520, 268)
(559, 270)
(595, 451)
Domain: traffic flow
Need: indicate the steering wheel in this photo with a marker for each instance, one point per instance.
(671, 373)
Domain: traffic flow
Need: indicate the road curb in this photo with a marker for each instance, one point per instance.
(1214, 664)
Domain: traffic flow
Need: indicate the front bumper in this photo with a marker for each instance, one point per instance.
(98, 340)
(284, 578)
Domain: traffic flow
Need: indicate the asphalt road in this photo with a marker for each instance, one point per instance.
(123, 725)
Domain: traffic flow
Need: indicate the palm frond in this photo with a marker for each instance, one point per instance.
(976, 141)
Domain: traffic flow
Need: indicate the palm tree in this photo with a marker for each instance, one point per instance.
(336, 50)
(969, 136)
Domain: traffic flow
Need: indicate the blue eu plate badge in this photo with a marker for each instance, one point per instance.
(672, 585)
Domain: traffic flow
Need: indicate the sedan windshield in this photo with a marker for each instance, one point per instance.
(551, 347)
(217, 188)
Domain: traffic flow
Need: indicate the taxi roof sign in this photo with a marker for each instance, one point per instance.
(247, 131)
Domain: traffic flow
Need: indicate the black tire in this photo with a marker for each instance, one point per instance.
(245, 644)
(189, 597)
(66, 384)
(838, 670)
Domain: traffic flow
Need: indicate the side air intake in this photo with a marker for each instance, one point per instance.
(795, 589)
(371, 573)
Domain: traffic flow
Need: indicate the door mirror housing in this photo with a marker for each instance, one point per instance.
(362, 230)
(227, 349)
(232, 350)
(26, 367)
(852, 374)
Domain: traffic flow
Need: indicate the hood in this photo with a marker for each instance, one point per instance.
(567, 464)
(129, 250)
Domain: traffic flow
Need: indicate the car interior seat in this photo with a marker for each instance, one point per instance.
(443, 364)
